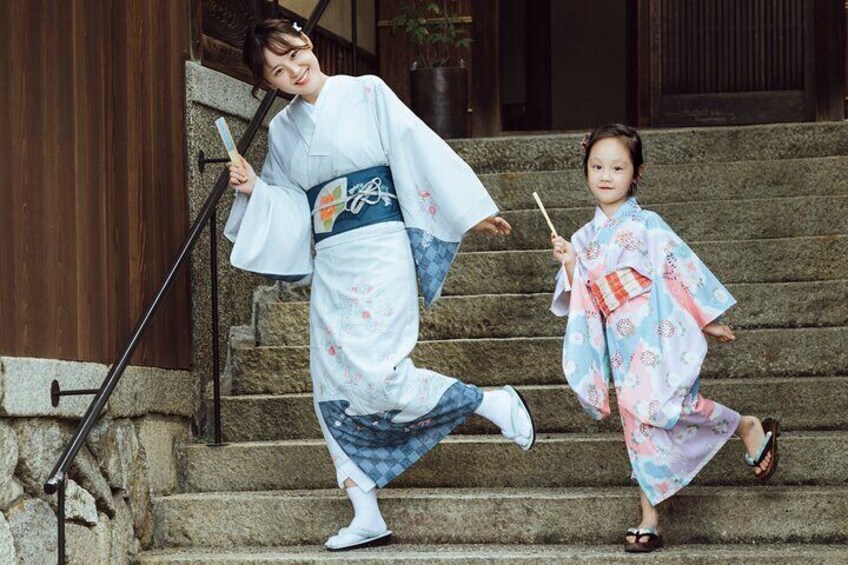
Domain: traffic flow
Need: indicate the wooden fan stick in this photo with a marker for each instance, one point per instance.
(544, 213)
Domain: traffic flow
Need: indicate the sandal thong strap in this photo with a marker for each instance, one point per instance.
(761, 452)
(651, 533)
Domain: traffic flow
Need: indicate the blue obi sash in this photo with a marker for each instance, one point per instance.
(355, 200)
(367, 197)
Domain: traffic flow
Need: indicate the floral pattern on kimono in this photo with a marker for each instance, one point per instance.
(651, 346)
(378, 412)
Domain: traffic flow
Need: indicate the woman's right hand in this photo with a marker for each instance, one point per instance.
(238, 180)
(563, 252)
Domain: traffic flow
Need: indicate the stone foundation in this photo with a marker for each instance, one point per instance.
(129, 457)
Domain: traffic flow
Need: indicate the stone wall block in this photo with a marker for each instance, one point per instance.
(141, 505)
(103, 531)
(123, 544)
(11, 491)
(115, 445)
(8, 451)
(161, 440)
(149, 390)
(7, 542)
(25, 386)
(40, 444)
(33, 527)
(80, 505)
(81, 545)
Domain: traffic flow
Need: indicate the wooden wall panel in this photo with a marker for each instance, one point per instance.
(707, 38)
(745, 61)
(96, 182)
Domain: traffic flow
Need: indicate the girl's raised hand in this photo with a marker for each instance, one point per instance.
(563, 252)
(721, 332)
(240, 182)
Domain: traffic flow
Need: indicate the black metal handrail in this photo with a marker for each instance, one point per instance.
(59, 475)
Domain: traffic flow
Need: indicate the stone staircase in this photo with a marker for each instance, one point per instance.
(765, 207)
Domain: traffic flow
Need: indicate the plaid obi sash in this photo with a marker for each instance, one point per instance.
(616, 288)
(355, 200)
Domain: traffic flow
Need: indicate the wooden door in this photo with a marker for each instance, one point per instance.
(715, 62)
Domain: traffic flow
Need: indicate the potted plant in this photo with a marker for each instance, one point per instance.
(439, 89)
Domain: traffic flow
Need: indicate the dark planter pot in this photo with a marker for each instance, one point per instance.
(440, 98)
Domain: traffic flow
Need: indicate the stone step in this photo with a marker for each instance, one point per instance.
(570, 460)
(661, 147)
(722, 220)
(537, 360)
(689, 182)
(743, 261)
(764, 260)
(808, 403)
(511, 516)
(759, 305)
(398, 554)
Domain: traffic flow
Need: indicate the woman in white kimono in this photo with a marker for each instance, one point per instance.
(351, 168)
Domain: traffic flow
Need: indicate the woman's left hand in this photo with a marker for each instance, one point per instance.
(493, 226)
(721, 332)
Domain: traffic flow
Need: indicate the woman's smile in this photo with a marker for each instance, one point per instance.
(303, 79)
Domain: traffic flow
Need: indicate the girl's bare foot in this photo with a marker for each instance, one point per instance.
(750, 431)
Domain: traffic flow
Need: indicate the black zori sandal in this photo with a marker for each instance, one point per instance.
(654, 541)
(771, 427)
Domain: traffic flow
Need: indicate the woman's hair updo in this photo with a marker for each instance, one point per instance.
(274, 35)
(631, 140)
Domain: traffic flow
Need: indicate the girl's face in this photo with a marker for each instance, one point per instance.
(610, 172)
(296, 71)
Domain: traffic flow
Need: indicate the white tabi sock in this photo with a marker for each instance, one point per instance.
(497, 408)
(366, 512)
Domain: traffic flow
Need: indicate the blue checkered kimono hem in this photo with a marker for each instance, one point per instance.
(384, 449)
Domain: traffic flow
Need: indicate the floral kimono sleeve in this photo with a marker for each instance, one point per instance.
(440, 195)
(585, 360)
(562, 294)
(685, 278)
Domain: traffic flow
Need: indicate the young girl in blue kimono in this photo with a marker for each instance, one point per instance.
(639, 303)
(352, 169)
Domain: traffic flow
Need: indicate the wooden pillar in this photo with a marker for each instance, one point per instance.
(830, 59)
(484, 87)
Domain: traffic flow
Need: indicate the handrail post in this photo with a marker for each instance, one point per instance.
(60, 517)
(216, 354)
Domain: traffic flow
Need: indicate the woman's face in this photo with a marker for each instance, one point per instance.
(610, 172)
(296, 71)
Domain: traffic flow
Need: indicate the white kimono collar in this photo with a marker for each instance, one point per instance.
(319, 136)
